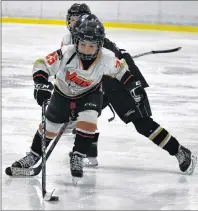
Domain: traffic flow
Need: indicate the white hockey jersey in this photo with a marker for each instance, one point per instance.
(71, 79)
(67, 39)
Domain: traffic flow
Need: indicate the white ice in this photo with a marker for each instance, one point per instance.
(133, 173)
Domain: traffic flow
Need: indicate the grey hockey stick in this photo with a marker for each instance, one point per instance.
(47, 196)
(144, 54)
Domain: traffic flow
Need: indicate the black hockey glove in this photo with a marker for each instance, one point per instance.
(137, 92)
(42, 92)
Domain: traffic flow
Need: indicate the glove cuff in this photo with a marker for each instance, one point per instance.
(40, 77)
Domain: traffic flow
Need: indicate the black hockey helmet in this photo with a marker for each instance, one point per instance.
(76, 10)
(88, 27)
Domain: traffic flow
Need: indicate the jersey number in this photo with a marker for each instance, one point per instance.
(51, 58)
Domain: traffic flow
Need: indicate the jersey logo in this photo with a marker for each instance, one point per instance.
(77, 80)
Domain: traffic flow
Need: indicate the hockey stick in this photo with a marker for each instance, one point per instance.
(46, 195)
(144, 54)
(156, 52)
(111, 108)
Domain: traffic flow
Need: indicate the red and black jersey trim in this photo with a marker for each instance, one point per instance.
(97, 87)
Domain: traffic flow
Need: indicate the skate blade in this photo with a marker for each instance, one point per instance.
(75, 180)
(191, 168)
(16, 172)
(90, 165)
(48, 196)
(87, 162)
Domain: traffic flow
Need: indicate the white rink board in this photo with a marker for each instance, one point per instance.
(157, 12)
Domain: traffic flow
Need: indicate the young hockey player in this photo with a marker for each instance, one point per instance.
(79, 69)
(140, 115)
(74, 12)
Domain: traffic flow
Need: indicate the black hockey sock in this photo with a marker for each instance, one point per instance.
(157, 134)
(172, 146)
(36, 144)
(93, 150)
(82, 142)
(165, 140)
(96, 137)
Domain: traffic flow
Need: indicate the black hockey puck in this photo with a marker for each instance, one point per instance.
(54, 198)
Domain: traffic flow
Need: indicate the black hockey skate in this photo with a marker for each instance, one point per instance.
(76, 164)
(91, 158)
(187, 161)
(21, 165)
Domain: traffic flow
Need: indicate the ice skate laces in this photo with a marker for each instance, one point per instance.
(76, 161)
(29, 160)
(182, 156)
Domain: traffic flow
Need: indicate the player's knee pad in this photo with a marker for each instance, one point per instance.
(145, 126)
(87, 121)
(90, 116)
(51, 129)
(85, 130)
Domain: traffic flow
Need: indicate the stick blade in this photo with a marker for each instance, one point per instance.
(15, 171)
(48, 196)
(167, 51)
(176, 49)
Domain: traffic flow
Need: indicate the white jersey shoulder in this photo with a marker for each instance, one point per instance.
(51, 63)
(113, 66)
(68, 50)
(67, 39)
